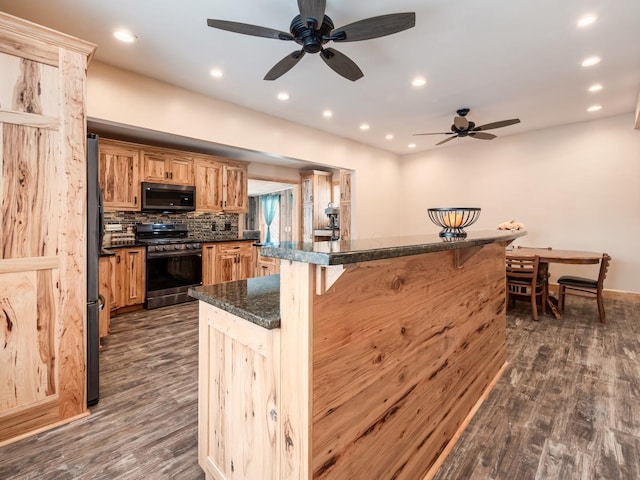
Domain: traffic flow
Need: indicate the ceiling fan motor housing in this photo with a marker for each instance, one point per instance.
(311, 39)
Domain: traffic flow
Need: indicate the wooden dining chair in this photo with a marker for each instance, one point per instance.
(585, 287)
(523, 281)
(543, 269)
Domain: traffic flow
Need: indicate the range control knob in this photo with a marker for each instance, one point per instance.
(177, 247)
(189, 245)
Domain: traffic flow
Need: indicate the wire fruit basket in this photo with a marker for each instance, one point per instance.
(453, 220)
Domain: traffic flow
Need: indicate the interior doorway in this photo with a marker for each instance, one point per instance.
(273, 210)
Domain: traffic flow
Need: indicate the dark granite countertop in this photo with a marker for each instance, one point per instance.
(341, 252)
(255, 299)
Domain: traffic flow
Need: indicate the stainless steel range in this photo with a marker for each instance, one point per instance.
(174, 263)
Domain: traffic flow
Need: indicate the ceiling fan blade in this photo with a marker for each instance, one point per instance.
(436, 133)
(247, 29)
(482, 135)
(446, 140)
(503, 123)
(284, 65)
(374, 27)
(312, 10)
(461, 123)
(341, 64)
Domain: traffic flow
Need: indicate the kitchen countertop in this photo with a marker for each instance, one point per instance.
(340, 252)
(258, 299)
(255, 299)
(195, 239)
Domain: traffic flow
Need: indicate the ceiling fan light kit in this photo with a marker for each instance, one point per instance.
(462, 127)
(312, 34)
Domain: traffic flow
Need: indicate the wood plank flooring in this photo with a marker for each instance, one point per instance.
(567, 407)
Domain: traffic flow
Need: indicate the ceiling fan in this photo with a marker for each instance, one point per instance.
(462, 128)
(312, 29)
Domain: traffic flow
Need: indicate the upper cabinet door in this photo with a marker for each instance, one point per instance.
(119, 176)
(208, 180)
(170, 167)
(235, 189)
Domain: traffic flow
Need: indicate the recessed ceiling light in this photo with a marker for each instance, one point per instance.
(365, 126)
(594, 108)
(216, 73)
(283, 96)
(389, 136)
(589, 62)
(412, 145)
(596, 87)
(587, 20)
(124, 36)
(419, 82)
(327, 114)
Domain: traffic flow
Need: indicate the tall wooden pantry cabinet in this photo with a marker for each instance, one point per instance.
(42, 228)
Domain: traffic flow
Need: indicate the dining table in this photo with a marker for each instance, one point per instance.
(550, 255)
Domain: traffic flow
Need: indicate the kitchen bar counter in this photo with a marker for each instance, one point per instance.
(385, 349)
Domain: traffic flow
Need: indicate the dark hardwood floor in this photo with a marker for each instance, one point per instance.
(567, 406)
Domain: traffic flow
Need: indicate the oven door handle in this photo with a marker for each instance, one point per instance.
(180, 253)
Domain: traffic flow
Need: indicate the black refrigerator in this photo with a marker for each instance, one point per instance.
(94, 246)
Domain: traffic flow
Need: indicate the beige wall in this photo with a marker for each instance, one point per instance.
(574, 187)
(119, 96)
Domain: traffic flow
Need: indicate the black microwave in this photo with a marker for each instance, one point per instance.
(161, 197)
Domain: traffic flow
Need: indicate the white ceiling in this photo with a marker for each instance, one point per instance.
(501, 58)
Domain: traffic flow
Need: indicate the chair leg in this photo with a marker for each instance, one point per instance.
(560, 299)
(601, 308)
(534, 304)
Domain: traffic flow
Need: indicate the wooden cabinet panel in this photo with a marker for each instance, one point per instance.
(119, 175)
(345, 204)
(266, 265)
(130, 276)
(208, 263)
(228, 261)
(104, 278)
(235, 194)
(316, 196)
(167, 167)
(208, 181)
(42, 228)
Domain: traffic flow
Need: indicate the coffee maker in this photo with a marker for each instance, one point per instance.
(333, 212)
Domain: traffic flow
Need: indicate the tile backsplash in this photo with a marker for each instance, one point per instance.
(205, 226)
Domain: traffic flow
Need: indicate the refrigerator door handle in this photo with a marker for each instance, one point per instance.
(101, 302)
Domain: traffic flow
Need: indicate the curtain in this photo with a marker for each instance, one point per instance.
(269, 207)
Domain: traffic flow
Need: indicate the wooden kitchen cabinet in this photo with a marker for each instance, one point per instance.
(208, 263)
(208, 182)
(104, 290)
(235, 184)
(220, 186)
(129, 283)
(43, 253)
(316, 196)
(345, 204)
(119, 175)
(167, 167)
(233, 261)
(266, 265)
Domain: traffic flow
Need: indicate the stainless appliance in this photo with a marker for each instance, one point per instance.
(94, 246)
(174, 263)
(160, 197)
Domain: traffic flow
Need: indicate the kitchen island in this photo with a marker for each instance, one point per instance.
(362, 359)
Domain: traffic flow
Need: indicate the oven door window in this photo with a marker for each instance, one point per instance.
(174, 271)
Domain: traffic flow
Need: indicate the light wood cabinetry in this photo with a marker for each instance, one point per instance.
(42, 228)
(235, 183)
(266, 265)
(104, 289)
(167, 167)
(316, 196)
(119, 175)
(345, 204)
(208, 181)
(227, 261)
(129, 282)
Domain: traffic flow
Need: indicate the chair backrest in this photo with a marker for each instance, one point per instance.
(522, 268)
(604, 267)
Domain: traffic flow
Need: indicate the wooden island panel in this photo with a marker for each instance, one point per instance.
(402, 351)
(239, 380)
